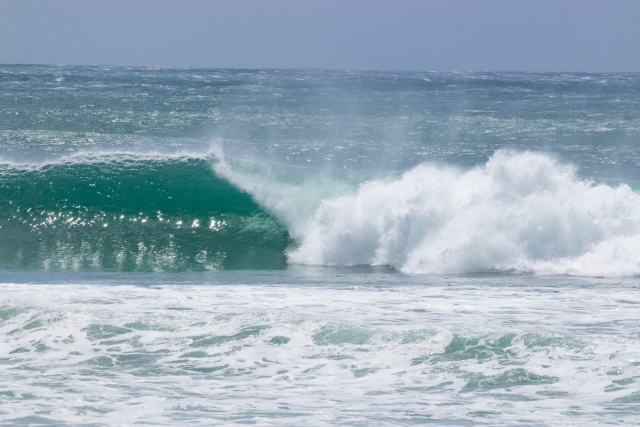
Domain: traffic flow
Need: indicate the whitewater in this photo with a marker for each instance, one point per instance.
(520, 213)
(288, 247)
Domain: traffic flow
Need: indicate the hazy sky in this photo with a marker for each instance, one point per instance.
(525, 35)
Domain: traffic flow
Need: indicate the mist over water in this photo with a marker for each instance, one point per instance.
(282, 247)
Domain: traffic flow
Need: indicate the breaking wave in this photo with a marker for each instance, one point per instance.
(519, 213)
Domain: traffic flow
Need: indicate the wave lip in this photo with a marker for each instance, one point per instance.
(519, 213)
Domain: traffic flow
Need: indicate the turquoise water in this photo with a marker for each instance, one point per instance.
(278, 247)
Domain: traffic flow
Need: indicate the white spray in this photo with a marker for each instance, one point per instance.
(520, 212)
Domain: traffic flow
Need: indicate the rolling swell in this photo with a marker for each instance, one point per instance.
(126, 214)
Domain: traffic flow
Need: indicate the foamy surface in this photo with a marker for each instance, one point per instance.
(459, 350)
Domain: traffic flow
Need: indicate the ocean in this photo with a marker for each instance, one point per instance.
(317, 247)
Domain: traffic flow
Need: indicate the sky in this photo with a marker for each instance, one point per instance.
(421, 35)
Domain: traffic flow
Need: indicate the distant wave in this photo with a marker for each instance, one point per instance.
(521, 212)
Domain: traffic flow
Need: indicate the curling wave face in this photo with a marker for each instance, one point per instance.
(125, 213)
(519, 213)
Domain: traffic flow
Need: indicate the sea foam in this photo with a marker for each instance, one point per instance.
(521, 212)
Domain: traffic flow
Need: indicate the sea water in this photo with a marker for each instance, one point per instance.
(291, 247)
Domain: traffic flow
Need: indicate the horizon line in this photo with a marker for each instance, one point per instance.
(172, 67)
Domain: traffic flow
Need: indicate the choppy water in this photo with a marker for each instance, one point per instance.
(325, 248)
(332, 348)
